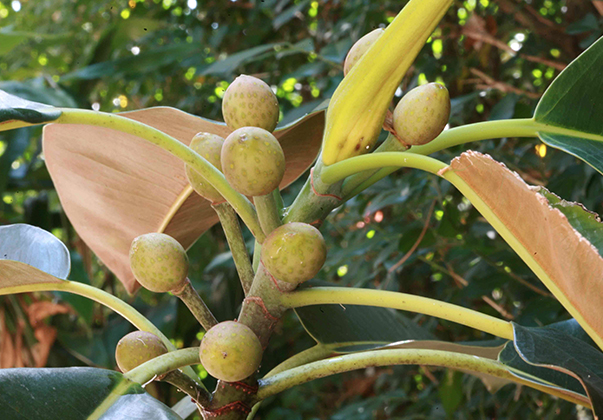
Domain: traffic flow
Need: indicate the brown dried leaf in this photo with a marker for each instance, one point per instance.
(115, 187)
(568, 264)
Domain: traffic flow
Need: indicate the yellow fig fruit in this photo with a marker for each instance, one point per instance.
(249, 102)
(159, 262)
(253, 161)
(422, 114)
(230, 351)
(209, 146)
(294, 252)
(136, 348)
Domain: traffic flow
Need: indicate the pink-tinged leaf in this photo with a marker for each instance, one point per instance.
(115, 186)
(564, 260)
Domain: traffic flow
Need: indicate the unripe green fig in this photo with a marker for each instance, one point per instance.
(209, 146)
(230, 351)
(422, 114)
(159, 262)
(294, 252)
(249, 102)
(359, 48)
(136, 348)
(253, 161)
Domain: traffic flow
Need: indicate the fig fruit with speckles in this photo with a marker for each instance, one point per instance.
(209, 146)
(294, 252)
(249, 102)
(422, 114)
(230, 351)
(136, 348)
(253, 161)
(159, 262)
(359, 48)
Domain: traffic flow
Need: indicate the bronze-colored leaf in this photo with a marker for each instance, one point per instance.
(564, 260)
(115, 186)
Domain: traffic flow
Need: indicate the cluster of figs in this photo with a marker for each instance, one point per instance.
(253, 163)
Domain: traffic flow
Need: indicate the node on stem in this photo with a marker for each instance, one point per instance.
(253, 161)
(159, 262)
(230, 351)
(294, 253)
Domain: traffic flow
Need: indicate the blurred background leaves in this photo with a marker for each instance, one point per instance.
(496, 58)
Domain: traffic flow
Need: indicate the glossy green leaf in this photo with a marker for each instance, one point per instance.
(230, 63)
(569, 113)
(563, 348)
(75, 394)
(16, 112)
(35, 247)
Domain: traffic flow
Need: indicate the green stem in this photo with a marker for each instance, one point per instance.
(196, 305)
(267, 212)
(523, 127)
(340, 170)
(189, 386)
(257, 252)
(318, 352)
(390, 144)
(116, 122)
(526, 127)
(164, 364)
(401, 301)
(339, 364)
(234, 237)
(102, 297)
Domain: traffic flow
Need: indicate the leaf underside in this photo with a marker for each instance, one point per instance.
(74, 394)
(13, 108)
(115, 186)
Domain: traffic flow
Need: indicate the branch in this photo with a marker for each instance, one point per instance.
(464, 362)
(163, 364)
(401, 301)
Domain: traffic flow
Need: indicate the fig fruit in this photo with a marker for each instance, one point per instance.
(249, 102)
(359, 48)
(422, 114)
(136, 348)
(209, 146)
(253, 161)
(159, 262)
(294, 252)
(230, 351)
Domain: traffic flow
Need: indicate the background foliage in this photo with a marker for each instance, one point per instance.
(496, 58)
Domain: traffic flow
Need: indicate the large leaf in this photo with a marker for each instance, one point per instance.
(510, 357)
(75, 394)
(35, 247)
(553, 348)
(115, 186)
(16, 112)
(583, 220)
(569, 113)
(568, 265)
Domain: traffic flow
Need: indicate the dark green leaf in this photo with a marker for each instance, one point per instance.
(74, 394)
(14, 108)
(230, 63)
(570, 111)
(18, 140)
(289, 14)
(563, 348)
